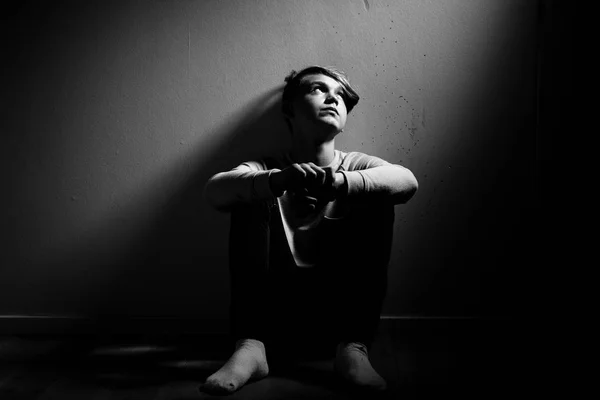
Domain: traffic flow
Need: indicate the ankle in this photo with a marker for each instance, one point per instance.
(253, 345)
(249, 342)
(346, 346)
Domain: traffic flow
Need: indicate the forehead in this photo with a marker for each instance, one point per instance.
(320, 78)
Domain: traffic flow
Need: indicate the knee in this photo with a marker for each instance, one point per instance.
(252, 215)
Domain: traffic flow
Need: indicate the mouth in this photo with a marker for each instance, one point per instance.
(333, 110)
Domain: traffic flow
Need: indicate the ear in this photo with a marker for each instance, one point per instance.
(288, 123)
(288, 110)
(288, 117)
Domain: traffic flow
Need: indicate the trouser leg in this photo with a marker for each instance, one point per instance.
(249, 239)
(357, 270)
(352, 279)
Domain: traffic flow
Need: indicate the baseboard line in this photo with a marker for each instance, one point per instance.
(428, 317)
(80, 317)
(23, 324)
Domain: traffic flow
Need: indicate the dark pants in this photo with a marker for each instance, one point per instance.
(337, 300)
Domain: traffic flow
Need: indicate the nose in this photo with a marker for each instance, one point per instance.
(331, 97)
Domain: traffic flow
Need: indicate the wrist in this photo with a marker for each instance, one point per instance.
(275, 184)
(340, 184)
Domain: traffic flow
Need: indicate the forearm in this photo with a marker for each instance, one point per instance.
(226, 189)
(392, 182)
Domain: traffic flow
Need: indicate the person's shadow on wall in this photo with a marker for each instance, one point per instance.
(178, 269)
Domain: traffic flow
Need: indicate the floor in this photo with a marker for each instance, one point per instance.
(418, 358)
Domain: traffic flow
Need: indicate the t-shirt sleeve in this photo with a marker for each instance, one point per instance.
(248, 182)
(371, 177)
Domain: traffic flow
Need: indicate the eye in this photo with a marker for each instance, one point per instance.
(316, 88)
(342, 95)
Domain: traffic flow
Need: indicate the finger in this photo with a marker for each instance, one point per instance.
(330, 179)
(300, 192)
(302, 195)
(298, 170)
(321, 174)
(311, 174)
(310, 200)
(329, 174)
(296, 176)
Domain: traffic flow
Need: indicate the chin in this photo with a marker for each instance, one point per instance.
(331, 130)
(330, 124)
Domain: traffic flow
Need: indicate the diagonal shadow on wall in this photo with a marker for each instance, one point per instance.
(184, 253)
(176, 266)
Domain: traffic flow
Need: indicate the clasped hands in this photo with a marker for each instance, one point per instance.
(309, 184)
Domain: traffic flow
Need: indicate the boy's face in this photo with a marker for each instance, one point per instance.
(320, 105)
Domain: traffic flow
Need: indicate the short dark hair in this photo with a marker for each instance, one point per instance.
(294, 86)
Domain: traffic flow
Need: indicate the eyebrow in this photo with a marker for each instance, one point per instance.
(312, 83)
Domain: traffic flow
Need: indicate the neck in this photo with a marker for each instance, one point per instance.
(319, 153)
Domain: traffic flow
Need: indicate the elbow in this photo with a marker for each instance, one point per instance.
(210, 195)
(410, 187)
(413, 185)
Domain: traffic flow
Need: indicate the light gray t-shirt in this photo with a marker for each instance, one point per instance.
(364, 174)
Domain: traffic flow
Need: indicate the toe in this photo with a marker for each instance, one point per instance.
(212, 387)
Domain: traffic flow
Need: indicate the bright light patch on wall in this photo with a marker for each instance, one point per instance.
(130, 350)
(193, 364)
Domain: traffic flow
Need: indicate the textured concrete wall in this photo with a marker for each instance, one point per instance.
(115, 114)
